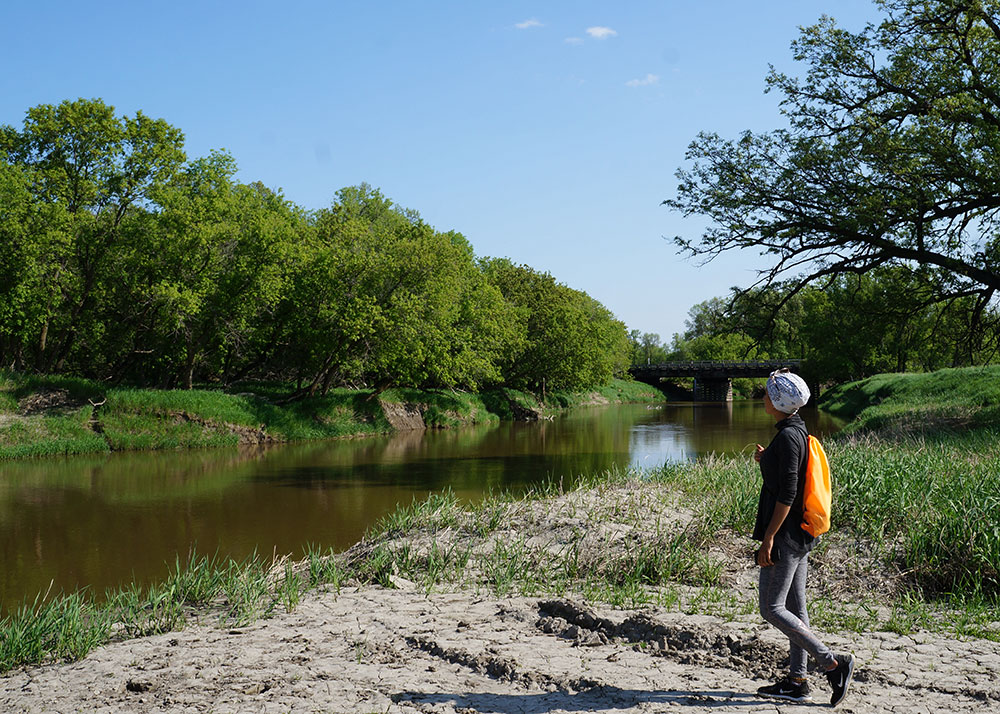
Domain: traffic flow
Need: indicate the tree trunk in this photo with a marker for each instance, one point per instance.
(189, 365)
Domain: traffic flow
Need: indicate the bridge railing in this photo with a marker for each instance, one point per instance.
(713, 379)
(719, 364)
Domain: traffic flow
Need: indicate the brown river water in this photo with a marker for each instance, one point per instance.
(101, 521)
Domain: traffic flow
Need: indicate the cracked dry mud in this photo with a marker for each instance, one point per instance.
(402, 651)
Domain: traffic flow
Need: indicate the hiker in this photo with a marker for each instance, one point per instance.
(783, 556)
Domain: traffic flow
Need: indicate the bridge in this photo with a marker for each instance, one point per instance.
(713, 380)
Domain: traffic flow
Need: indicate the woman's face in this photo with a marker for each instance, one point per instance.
(771, 409)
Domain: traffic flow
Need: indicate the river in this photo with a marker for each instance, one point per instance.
(101, 521)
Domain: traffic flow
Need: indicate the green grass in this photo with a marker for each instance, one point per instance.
(948, 399)
(444, 408)
(939, 494)
(145, 418)
(341, 412)
(130, 431)
(141, 419)
(617, 392)
(437, 541)
(65, 628)
(68, 626)
(920, 464)
(8, 403)
(436, 512)
(53, 435)
(931, 502)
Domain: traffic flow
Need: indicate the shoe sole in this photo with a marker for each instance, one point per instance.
(785, 697)
(847, 682)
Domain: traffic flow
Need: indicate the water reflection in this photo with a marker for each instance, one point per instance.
(101, 521)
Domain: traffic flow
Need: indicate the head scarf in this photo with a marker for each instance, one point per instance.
(787, 390)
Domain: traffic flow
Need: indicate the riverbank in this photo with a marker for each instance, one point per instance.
(45, 416)
(632, 592)
(945, 401)
(619, 595)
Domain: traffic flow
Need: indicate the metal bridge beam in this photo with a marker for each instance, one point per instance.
(713, 389)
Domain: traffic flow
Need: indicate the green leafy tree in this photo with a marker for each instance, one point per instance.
(386, 300)
(27, 243)
(889, 319)
(92, 170)
(571, 340)
(215, 270)
(121, 260)
(726, 346)
(888, 159)
(646, 347)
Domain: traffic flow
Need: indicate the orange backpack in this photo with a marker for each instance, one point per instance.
(817, 494)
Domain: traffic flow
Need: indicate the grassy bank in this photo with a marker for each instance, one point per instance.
(946, 400)
(42, 416)
(919, 471)
(675, 538)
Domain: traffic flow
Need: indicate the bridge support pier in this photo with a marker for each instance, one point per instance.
(713, 389)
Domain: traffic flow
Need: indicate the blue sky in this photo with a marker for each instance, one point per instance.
(545, 132)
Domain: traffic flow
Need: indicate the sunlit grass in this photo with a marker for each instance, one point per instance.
(97, 417)
(919, 403)
(59, 434)
(66, 627)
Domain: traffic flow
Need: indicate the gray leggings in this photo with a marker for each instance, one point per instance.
(782, 596)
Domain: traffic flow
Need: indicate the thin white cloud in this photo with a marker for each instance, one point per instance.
(528, 24)
(601, 33)
(644, 82)
(573, 40)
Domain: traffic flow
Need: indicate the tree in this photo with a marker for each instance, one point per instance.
(23, 237)
(384, 299)
(213, 270)
(890, 156)
(92, 171)
(646, 347)
(571, 341)
(886, 320)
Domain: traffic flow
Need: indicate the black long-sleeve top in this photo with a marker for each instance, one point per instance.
(783, 469)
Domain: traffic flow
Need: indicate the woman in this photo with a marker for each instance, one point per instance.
(783, 556)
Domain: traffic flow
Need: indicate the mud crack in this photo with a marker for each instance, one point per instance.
(500, 668)
(686, 645)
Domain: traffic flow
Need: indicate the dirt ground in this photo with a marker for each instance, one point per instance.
(372, 650)
(403, 651)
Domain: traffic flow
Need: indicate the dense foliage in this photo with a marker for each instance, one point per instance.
(122, 260)
(852, 326)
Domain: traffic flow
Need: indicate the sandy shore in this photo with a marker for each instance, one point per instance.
(395, 651)
(461, 649)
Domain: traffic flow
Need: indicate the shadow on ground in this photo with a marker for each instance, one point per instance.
(596, 699)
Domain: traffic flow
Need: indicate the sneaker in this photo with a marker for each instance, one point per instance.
(840, 678)
(787, 689)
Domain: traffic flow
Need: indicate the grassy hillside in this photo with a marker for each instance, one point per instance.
(918, 468)
(949, 399)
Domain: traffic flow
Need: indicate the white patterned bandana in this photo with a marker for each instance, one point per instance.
(787, 390)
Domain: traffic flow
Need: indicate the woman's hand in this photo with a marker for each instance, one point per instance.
(756, 456)
(764, 554)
